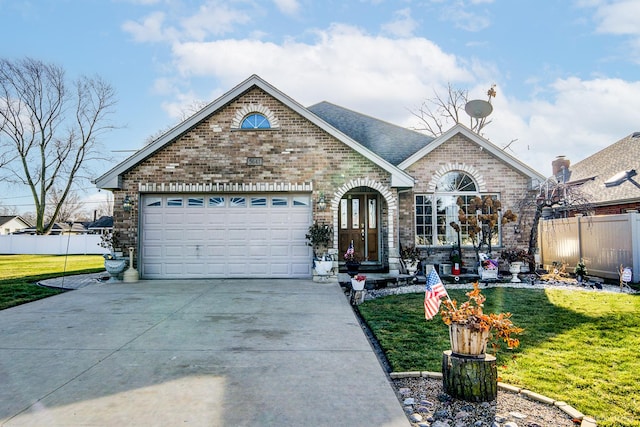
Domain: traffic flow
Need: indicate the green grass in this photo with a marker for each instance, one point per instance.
(19, 274)
(579, 347)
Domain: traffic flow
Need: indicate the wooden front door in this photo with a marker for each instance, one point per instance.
(358, 221)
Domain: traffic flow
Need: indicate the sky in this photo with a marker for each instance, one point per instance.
(567, 72)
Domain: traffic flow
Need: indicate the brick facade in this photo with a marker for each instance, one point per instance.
(491, 173)
(296, 151)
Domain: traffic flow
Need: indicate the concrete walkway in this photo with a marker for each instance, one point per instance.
(192, 352)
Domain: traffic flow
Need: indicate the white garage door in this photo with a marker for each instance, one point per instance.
(220, 236)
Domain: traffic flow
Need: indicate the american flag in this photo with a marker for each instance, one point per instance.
(350, 251)
(432, 294)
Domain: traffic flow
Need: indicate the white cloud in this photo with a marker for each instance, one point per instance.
(213, 18)
(150, 29)
(619, 17)
(403, 25)
(375, 75)
(288, 7)
(583, 117)
(464, 17)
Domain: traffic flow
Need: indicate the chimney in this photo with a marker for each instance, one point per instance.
(560, 167)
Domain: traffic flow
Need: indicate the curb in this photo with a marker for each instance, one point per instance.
(563, 406)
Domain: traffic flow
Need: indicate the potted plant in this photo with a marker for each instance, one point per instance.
(114, 264)
(514, 257)
(357, 282)
(410, 256)
(319, 236)
(580, 271)
(351, 260)
(470, 329)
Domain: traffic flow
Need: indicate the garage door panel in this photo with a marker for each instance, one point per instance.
(173, 219)
(173, 269)
(173, 251)
(224, 241)
(237, 269)
(300, 270)
(196, 218)
(173, 235)
(153, 219)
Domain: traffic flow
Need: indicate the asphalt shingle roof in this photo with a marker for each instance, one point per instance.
(621, 156)
(391, 142)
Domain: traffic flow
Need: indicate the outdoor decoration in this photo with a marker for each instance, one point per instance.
(580, 271)
(131, 275)
(411, 257)
(351, 260)
(358, 282)
(481, 220)
(114, 266)
(468, 373)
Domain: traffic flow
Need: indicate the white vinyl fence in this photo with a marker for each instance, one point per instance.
(604, 242)
(82, 244)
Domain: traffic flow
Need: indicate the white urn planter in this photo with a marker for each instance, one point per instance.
(115, 267)
(323, 268)
(412, 266)
(514, 269)
(357, 285)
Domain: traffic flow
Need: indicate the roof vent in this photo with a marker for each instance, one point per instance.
(635, 135)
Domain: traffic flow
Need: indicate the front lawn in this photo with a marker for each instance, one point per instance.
(579, 347)
(19, 274)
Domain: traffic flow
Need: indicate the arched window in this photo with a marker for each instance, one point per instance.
(255, 121)
(436, 211)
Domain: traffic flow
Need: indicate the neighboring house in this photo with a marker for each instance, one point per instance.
(592, 173)
(232, 191)
(59, 228)
(102, 225)
(9, 224)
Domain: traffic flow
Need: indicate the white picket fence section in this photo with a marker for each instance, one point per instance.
(82, 244)
(604, 242)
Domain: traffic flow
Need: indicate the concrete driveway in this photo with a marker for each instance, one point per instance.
(192, 352)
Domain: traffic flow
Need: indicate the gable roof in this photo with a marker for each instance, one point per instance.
(620, 156)
(391, 142)
(112, 178)
(535, 176)
(6, 218)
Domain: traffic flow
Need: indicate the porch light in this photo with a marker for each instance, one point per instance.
(322, 203)
(127, 204)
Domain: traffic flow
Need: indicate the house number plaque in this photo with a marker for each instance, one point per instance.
(254, 161)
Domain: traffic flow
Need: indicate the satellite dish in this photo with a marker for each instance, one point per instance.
(478, 109)
(620, 177)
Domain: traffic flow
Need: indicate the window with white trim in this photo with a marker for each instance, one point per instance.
(255, 121)
(434, 212)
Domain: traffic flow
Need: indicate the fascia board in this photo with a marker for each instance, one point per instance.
(480, 141)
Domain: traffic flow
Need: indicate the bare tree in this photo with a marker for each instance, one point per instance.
(8, 210)
(552, 199)
(52, 128)
(186, 112)
(439, 113)
(69, 209)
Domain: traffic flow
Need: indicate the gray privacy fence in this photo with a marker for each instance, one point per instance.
(82, 244)
(604, 242)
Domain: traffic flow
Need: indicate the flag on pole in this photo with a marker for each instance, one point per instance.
(350, 254)
(433, 292)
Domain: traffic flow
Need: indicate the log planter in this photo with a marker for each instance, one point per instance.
(468, 373)
(466, 341)
(472, 379)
